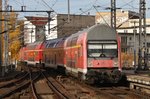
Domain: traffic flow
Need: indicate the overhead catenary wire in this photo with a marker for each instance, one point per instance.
(128, 4)
(6, 31)
(59, 26)
(54, 3)
(49, 6)
(101, 16)
(23, 4)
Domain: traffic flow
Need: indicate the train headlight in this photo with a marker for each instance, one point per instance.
(90, 63)
(115, 64)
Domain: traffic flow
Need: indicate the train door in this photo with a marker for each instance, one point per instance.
(68, 54)
(45, 58)
(76, 58)
(74, 52)
(55, 59)
(71, 56)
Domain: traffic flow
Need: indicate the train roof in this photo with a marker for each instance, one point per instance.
(98, 32)
(35, 45)
(101, 32)
(59, 42)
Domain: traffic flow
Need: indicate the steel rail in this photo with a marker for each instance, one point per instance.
(15, 81)
(62, 93)
(32, 80)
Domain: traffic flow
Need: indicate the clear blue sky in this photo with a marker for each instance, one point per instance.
(76, 6)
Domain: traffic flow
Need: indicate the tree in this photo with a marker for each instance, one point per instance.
(14, 43)
(14, 33)
(127, 59)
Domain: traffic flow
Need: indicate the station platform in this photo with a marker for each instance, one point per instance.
(139, 82)
(139, 78)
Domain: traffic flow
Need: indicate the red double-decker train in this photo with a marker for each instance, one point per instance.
(93, 54)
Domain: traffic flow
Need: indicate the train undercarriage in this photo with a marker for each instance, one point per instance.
(105, 76)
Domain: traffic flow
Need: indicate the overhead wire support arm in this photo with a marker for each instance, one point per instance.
(25, 11)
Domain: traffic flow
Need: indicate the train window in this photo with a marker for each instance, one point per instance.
(47, 45)
(35, 53)
(74, 41)
(25, 54)
(60, 43)
(45, 58)
(110, 50)
(51, 44)
(69, 43)
(94, 50)
(80, 51)
(99, 50)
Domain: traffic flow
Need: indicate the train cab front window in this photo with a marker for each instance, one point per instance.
(102, 50)
(110, 50)
(94, 50)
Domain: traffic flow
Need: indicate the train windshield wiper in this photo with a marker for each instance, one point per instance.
(102, 55)
(91, 56)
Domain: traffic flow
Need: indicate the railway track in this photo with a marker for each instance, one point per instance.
(122, 93)
(48, 87)
(33, 79)
(106, 92)
(11, 76)
(14, 81)
(132, 93)
(17, 87)
(46, 84)
(13, 87)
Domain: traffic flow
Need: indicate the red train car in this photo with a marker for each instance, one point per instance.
(92, 54)
(53, 53)
(33, 53)
(22, 56)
